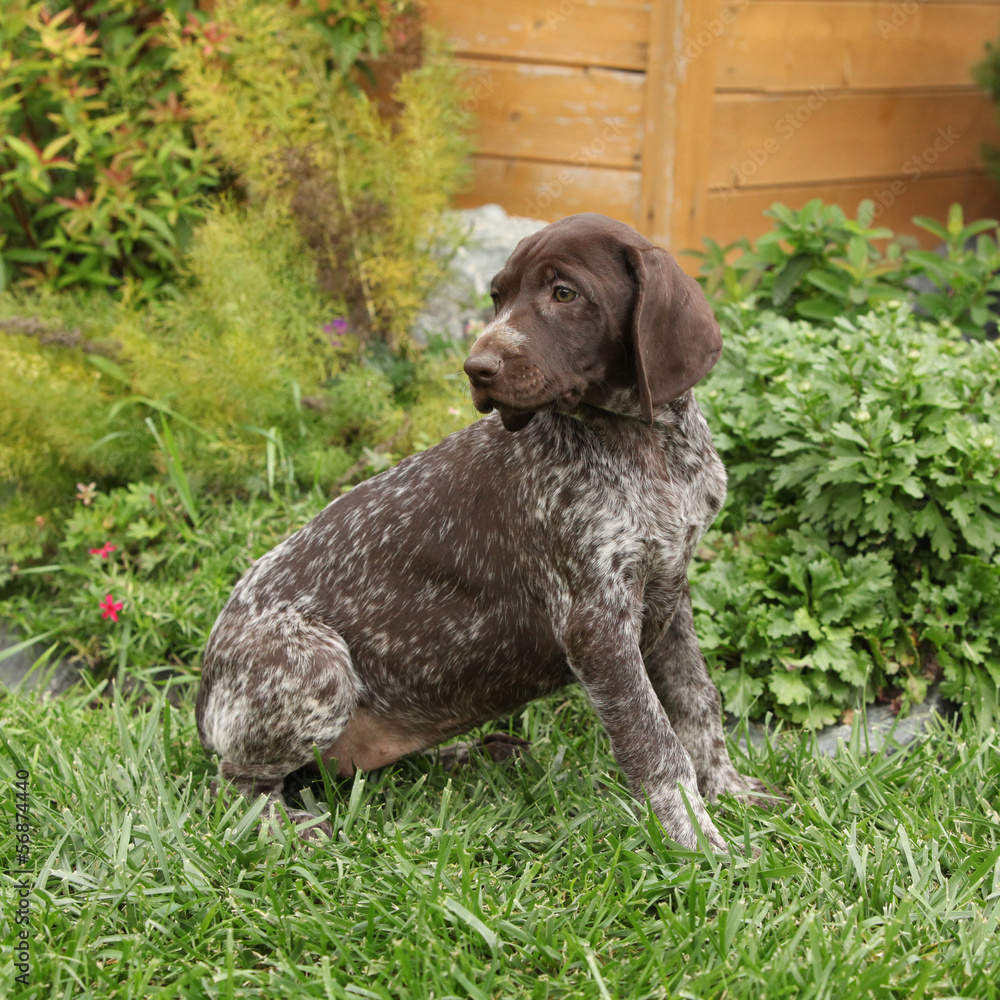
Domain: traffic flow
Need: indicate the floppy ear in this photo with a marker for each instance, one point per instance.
(674, 333)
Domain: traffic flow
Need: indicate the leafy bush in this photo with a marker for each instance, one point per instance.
(367, 192)
(819, 265)
(870, 444)
(102, 180)
(987, 75)
(794, 628)
(246, 376)
(133, 573)
(100, 177)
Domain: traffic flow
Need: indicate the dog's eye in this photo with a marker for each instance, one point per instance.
(496, 302)
(563, 294)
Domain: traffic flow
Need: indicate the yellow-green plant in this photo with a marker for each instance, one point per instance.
(313, 152)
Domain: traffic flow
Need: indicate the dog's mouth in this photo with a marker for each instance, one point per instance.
(513, 417)
(516, 418)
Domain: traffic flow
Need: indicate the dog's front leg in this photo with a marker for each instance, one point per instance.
(680, 679)
(609, 666)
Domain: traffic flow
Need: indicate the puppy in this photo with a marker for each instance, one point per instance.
(546, 544)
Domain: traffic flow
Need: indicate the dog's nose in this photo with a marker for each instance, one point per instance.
(482, 369)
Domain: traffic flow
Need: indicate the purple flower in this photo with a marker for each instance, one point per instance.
(334, 331)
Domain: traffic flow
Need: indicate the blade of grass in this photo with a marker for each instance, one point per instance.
(175, 465)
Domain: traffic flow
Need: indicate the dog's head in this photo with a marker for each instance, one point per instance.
(587, 309)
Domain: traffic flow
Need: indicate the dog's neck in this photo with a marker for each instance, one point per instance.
(625, 402)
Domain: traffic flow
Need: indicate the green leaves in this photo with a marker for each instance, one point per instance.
(100, 178)
(870, 450)
(812, 627)
(816, 264)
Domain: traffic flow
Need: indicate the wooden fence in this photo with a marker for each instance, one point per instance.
(687, 118)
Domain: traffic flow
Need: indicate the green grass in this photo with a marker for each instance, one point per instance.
(880, 878)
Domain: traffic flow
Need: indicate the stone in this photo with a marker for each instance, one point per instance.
(490, 237)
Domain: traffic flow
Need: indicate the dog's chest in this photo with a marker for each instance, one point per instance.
(652, 493)
(639, 510)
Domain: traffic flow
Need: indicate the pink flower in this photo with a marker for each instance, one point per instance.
(87, 493)
(111, 608)
(454, 412)
(104, 551)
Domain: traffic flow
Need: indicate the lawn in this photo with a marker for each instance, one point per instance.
(206, 300)
(880, 877)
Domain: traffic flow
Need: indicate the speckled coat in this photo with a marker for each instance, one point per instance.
(545, 544)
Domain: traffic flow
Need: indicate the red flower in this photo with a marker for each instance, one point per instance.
(111, 608)
(104, 551)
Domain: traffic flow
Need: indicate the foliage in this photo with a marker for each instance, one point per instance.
(877, 431)
(137, 544)
(367, 192)
(796, 629)
(872, 445)
(987, 74)
(102, 180)
(819, 265)
(877, 878)
(100, 177)
(245, 376)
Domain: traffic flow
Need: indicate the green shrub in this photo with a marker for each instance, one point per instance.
(168, 580)
(796, 629)
(367, 192)
(244, 369)
(876, 431)
(100, 177)
(819, 265)
(987, 75)
(872, 442)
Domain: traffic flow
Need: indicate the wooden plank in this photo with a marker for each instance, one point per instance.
(729, 216)
(766, 140)
(659, 149)
(610, 33)
(557, 113)
(678, 114)
(551, 190)
(772, 46)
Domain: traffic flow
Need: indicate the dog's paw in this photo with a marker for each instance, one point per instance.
(503, 746)
(687, 837)
(744, 787)
(681, 811)
(496, 746)
(758, 793)
(313, 834)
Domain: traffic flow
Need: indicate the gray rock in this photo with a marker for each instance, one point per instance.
(27, 669)
(491, 235)
(871, 730)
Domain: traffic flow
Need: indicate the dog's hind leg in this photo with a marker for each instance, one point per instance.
(273, 689)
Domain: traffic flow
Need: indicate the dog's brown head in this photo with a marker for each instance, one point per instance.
(587, 308)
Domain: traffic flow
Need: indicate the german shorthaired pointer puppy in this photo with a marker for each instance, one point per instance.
(545, 544)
